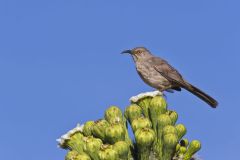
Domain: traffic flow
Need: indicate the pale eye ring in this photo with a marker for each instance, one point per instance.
(138, 52)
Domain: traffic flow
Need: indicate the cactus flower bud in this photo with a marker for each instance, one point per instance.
(182, 150)
(160, 102)
(144, 99)
(108, 153)
(92, 146)
(164, 120)
(178, 147)
(73, 155)
(115, 133)
(144, 139)
(170, 142)
(181, 130)
(113, 115)
(144, 103)
(169, 129)
(173, 115)
(122, 149)
(72, 139)
(75, 142)
(157, 106)
(141, 122)
(99, 128)
(184, 142)
(83, 157)
(132, 112)
(194, 146)
(87, 128)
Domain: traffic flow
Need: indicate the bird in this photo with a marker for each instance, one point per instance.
(159, 74)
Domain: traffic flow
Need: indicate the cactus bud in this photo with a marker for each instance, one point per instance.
(75, 142)
(169, 129)
(107, 153)
(87, 128)
(82, 156)
(144, 139)
(164, 120)
(181, 130)
(160, 102)
(170, 142)
(182, 150)
(173, 115)
(141, 122)
(132, 112)
(144, 103)
(92, 146)
(122, 149)
(194, 146)
(115, 133)
(184, 142)
(113, 115)
(72, 139)
(73, 155)
(178, 147)
(157, 106)
(99, 128)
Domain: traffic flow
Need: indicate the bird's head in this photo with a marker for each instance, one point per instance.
(138, 53)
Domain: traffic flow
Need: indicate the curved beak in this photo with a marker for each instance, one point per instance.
(127, 51)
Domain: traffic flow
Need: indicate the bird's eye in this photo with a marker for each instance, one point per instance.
(138, 52)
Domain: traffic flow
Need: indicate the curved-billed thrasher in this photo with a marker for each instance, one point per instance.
(160, 75)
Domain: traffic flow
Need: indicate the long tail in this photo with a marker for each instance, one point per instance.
(205, 97)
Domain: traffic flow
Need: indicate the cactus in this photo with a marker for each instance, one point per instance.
(193, 147)
(76, 156)
(144, 140)
(122, 149)
(108, 153)
(140, 122)
(132, 112)
(113, 115)
(99, 128)
(157, 106)
(92, 146)
(87, 128)
(115, 133)
(156, 134)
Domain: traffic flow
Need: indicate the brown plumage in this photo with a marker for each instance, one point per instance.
(157, 73)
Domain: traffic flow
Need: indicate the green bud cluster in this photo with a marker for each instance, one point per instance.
(156, 134)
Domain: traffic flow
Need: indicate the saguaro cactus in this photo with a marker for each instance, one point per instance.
(156, 134)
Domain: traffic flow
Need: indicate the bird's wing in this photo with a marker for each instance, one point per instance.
(167, 71)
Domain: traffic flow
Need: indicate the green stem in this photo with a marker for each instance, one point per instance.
(143, 153)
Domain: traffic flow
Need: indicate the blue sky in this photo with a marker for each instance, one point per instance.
(60, 65)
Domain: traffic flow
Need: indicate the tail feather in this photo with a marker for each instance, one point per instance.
(205, 97)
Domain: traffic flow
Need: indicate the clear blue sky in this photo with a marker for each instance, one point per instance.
(60, 65)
